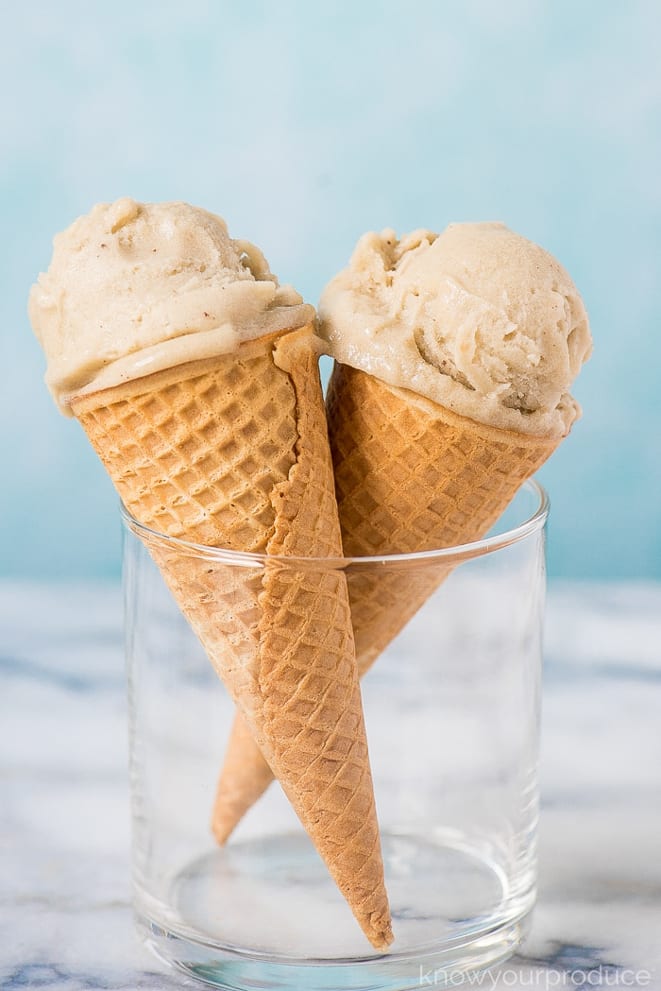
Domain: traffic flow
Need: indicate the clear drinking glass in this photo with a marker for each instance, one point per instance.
(452, 715)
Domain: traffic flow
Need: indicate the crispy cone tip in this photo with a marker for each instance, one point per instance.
(244, 777)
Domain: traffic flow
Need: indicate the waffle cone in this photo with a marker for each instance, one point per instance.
(233, 452)
(410, 476)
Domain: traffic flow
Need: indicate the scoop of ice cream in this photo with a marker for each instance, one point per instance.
(136, 287)
(477, 319)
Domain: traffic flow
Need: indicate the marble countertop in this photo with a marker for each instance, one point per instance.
(65, 917)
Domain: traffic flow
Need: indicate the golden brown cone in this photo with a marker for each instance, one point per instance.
(233, 452)
(410, 476)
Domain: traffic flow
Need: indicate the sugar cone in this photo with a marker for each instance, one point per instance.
(410, 476)
(233, 452)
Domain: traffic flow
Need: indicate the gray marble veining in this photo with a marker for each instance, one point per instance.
(65, 917)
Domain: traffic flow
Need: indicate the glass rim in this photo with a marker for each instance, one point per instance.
(534, 522)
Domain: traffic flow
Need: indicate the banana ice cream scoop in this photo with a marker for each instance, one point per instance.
(134, 288)
(477, 319)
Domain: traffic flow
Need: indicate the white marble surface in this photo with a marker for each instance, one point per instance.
(65, 918)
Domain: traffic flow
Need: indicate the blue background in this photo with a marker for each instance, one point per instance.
(306, 124)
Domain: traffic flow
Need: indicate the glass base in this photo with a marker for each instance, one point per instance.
(264, 913)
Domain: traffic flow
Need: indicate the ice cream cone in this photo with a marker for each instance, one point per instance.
(410, 476)
(233, 452)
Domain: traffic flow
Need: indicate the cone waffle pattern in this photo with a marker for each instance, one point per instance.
(234, 453)
(410, 476)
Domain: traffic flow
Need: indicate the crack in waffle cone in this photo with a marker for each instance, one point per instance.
(233, 452)
(410, 476)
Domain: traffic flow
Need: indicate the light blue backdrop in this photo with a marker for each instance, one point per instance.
(305, 124)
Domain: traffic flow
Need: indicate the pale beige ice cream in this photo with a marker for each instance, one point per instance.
(477, 319)
(133, 288)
